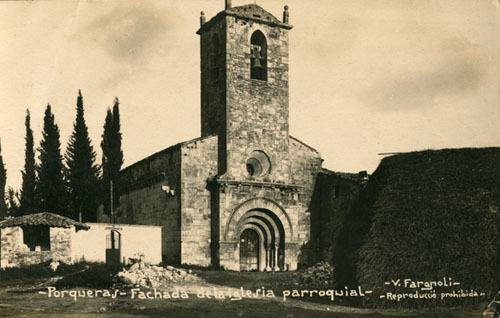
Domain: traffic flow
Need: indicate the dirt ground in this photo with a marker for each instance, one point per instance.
(25, 300)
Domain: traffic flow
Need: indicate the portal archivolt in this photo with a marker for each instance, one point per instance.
(263, 248)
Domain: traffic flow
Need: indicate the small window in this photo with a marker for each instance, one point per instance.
(258, 164)
(258, 56)
(37, 238)
(337, 191)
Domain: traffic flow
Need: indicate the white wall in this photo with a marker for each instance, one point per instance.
(136, 239)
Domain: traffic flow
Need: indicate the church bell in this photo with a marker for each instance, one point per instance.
(256, 63)
(256, 58)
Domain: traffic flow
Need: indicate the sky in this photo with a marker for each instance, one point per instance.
(366, 77)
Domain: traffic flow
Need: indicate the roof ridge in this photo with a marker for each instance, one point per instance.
(164, 150)
(43, 218)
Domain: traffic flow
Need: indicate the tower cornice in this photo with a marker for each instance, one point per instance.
(249, 12)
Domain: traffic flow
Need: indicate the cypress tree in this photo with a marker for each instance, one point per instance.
(112, 156)
(28, 204)
(117, 140)
(12, 205)
(82, 173)
(51, 188)
(3, 182)
(106, 164)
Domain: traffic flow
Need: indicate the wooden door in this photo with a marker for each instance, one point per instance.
(249, 250)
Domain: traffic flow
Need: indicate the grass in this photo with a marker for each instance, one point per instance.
(85, 274)
(94, 275)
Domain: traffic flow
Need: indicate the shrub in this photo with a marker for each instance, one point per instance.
(429, 215)
(318, 275)
(93, 275)
(26, 273)
(79, 274)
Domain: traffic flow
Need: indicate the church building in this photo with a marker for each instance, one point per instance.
(240, 196)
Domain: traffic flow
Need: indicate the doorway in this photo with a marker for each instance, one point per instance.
(113, 249)
(249, 250)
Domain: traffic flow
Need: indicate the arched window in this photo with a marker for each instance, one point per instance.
(214, 57)
(258, 56)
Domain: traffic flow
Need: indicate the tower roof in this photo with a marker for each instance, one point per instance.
(251, 12)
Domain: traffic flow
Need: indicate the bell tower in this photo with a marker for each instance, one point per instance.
(244, 92)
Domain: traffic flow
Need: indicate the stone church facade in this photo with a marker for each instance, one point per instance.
(238, 197)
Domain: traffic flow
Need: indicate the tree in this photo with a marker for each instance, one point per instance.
(51, 188)
(3, 182)
(12, 205)
(112, 158)
(82, 173)
(106, 164)
(28, 203)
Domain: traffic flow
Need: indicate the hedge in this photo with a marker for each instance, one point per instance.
(425, 216)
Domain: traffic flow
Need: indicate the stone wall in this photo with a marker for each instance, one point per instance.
(294, 198)
(333, 197)
(213, 87)
(184, 210)
(144, 199)
(247, 114)
(213, 79)
(306, 164)
(257, 110)
(15, 253)
(145, 240)
(199, 164)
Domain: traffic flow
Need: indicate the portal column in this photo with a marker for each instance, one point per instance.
(276, 267)
(262, 255)
(268, 258)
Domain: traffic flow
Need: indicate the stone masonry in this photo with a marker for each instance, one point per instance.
(15, 253)
(239, 197)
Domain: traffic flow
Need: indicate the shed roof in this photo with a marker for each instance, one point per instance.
(360, 177)
(44, 218)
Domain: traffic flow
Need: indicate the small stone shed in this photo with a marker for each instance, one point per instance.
(36, 238)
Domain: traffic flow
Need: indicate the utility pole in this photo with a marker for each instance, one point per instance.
(112, 214)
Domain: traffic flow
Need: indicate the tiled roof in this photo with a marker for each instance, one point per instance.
(360, 177)
(44, 218)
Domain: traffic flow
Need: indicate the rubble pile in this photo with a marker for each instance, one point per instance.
(147, 275)
(319, 274)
